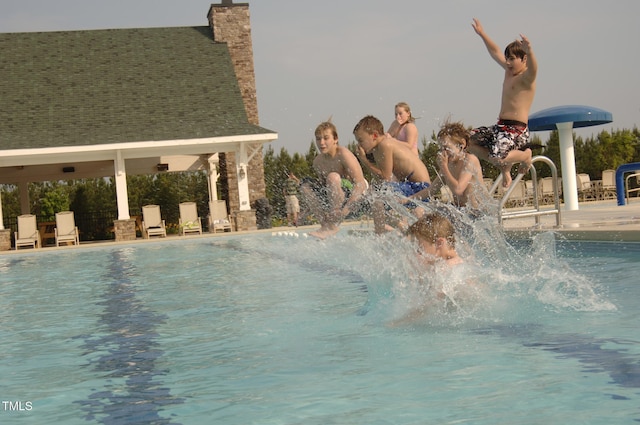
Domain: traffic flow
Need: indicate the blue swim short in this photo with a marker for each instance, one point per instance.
(408, 188)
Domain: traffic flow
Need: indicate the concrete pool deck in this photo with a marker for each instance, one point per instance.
(594, 220)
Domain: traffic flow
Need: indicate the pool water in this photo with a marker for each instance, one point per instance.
(268, 329)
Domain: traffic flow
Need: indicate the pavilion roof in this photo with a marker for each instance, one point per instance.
(94, 87)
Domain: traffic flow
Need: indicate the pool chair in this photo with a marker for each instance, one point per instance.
(66, 230)
(609, 184)
(189, 220)
(518, 197)
(586, 190)
(545, 186)
(152, 222)
(27, 234)
(218, 217)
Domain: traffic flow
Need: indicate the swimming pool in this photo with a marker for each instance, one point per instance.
(263, 329)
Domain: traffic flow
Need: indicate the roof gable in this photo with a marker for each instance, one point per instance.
(75, 88)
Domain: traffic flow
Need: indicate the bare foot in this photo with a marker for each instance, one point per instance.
(506, 178)
(325, 232)
(524, 166)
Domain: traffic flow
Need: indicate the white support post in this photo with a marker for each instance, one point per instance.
(568, 160)
(213, 177)
(1, 220)
(243, 177)
(122, 198)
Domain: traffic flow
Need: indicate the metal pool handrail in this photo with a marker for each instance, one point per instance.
(537, 211)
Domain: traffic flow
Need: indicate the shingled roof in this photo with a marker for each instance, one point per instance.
(80, 88)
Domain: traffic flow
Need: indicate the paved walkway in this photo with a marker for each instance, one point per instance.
(595, 220)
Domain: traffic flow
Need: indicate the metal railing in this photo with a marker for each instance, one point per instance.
(537, 211)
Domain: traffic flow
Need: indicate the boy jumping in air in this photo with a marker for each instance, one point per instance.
(507, 142)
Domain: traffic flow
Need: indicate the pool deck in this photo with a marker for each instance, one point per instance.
(594, 220)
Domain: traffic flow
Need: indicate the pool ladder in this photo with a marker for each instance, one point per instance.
(536, 211)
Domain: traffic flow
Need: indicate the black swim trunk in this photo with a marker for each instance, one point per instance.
(502, 138)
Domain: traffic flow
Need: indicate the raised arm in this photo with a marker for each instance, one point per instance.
(364, 160)
(494, 50)
(532, 62)
(457, 185)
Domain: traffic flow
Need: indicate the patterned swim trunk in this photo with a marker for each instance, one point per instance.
(502, 138)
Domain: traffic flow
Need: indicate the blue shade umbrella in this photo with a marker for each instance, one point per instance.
(565, 119)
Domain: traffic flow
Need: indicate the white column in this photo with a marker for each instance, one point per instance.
(568, 160)
(243, 177)
(1, 220)
(213, 177)
(122, 198)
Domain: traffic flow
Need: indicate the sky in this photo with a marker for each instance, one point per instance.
(344, 59)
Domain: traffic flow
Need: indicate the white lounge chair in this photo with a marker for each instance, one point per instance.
(586, 191)
(189, 220)
(66, 230)
(545, 186)
(518, 196)
(609, 184)
(27, 234)
(152, 222)
(218, 217)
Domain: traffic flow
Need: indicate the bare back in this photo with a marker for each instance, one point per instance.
(396, 160)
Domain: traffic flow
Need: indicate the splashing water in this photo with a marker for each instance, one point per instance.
(511, 280)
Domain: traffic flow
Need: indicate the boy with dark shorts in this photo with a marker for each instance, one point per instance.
(341, 184)
(507, 142)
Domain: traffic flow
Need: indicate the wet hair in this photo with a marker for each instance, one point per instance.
(432, 226)
(406, 107)
(515, 48)
(327, 125)
(456, 131)
(369, 125)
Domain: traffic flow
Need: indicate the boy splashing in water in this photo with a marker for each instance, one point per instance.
(507, 142)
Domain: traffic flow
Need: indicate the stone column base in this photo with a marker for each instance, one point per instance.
(245, 220)
(125, 230)
(5, 239)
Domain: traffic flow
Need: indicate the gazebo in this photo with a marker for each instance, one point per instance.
(565, 119)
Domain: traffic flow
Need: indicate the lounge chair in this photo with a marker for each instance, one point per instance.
(545, 186)
(152, 222)
(189, 220)
(586, 190)
(27, 234)
(66, 230)
(609, 184)
(518, 196)
(218, 217)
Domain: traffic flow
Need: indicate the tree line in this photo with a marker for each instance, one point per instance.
(97, 197)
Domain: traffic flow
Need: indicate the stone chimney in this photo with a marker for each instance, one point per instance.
(231, 24)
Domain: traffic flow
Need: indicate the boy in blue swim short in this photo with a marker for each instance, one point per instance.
(507, 142)
(399, 168)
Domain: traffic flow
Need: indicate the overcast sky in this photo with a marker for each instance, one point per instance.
(349, 58)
